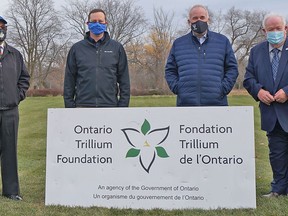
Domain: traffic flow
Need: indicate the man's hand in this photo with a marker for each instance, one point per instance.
(280, 96)
(265, 97)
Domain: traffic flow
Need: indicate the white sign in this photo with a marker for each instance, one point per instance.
(164, 157)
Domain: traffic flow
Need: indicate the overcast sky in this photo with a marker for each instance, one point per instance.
(179, 7)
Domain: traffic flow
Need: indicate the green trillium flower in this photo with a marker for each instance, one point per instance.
(146, 144)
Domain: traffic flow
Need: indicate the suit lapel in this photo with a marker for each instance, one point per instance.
(282, 64)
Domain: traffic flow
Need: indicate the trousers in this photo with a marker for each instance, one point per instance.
(9, 121)
(278, 155)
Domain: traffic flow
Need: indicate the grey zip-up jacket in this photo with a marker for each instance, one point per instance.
(14, 78)
(97, 76)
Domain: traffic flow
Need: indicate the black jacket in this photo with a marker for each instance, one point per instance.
(14, 78)
(97, 76)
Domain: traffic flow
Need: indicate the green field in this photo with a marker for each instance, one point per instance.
(31, 160)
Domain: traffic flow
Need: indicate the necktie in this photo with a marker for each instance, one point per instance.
(275, 62)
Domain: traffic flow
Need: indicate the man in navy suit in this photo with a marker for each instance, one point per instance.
(266, 80)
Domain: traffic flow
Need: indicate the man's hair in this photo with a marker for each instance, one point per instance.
(199, 6)
(96, 11)
(269, 15)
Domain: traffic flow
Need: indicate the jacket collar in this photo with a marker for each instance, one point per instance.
(282, 62)
(104, 39)
(197, 39)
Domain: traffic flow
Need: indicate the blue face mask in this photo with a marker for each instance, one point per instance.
(96, 28)
(275, 37)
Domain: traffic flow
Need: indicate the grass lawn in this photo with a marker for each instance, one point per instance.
(32, 153)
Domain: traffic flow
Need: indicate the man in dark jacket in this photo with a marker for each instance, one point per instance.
(14, 82)
(201, 68)
(266, 80)
(97, 70)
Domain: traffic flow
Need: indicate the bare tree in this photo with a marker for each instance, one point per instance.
(55, 79)
(36, 30)
(216, 21)
(76, 15)
(125, 19)
(244, 28)
(161, 36)
(148, 59)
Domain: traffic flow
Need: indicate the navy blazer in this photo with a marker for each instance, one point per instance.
(259, 75)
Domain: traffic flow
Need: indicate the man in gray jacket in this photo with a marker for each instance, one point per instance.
(14, 82)
(96, 72)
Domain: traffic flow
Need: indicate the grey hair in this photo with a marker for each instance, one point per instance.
(269, 15)
(199, 6)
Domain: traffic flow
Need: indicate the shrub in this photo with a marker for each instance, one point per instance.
(44, 92)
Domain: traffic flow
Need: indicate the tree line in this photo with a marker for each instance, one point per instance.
(44, 35)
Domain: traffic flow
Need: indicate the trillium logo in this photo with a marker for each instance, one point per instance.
(146, 144)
